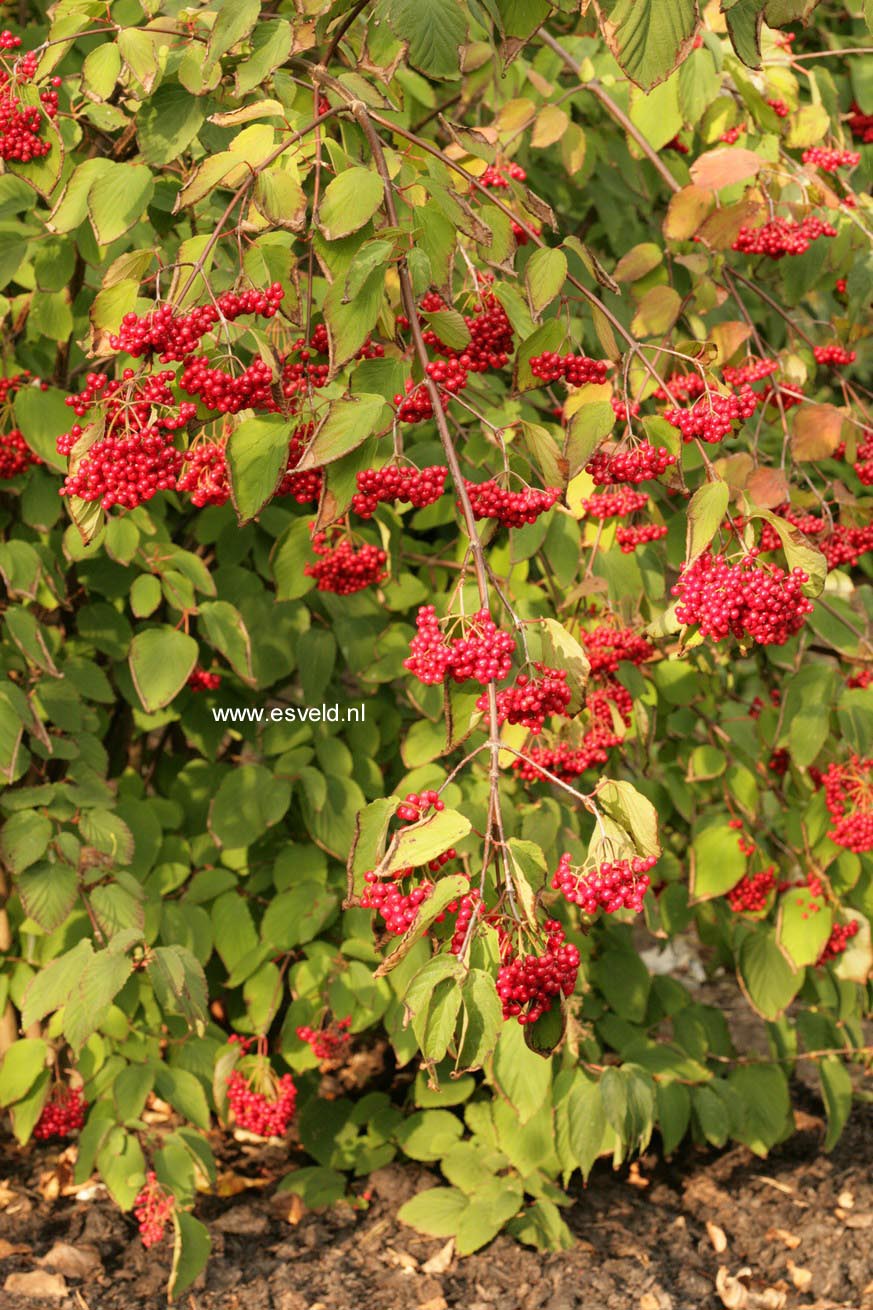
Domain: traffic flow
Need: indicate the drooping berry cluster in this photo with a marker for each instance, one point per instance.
(860, 124)
(228, 393)
(342, 568)
(833, 355)
(606, 646)
(782, 236)
(640, 535)
(712, 417)
(530, 701)
(15, 455)
(327, 1043)
(610, 885)
(21, 125)
(751, 893)
(743, 597)
(576, 370)
(830, 160)
(779, 107)
(483, 653)
(841, 935)
(849, 798)
(266, 1113)
(567, 761)
(635, 465)
(614, 504)
(529, 984)
(62, 1114)
(203, 680)
(173, 336)
(204, 474)
(410, 486)
(126, 471)
(493, 177)
(397, 909)
(512, 509)
(416, 805)
(153, 1210)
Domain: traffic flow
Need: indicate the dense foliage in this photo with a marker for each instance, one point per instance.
(436, 453)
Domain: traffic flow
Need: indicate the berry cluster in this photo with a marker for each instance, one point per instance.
(264, 1113)
(512, 509)
(416, 487)
(483, 653)
(606, 646)
(782, 236)
(849, 798)
(630, 538)
(228, 393)
(204, 474)
(779, 107)
(833, 355)
(745, 598)
(612, 885)
(600, 702)
(566, 761)
(469, 907)
(636, 465)
(576, 370)
(175, 336)
(126, 471)
(711, 418)
(530, 701)
(327, 1043)
(492, 177)
(153, 1210)
(841, 935)
(21, 125)
(528, 984)
(860, 124)
(416, 805)
(62, 1114)
(614, 504)
(15, 455)
(830, 160)
(342, 569)
(397, 909)
(202, 680)
(751, 893)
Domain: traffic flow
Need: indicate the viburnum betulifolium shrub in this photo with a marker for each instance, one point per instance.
(436, 454)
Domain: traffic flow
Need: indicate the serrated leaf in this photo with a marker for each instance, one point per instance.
(257, 457)
(161, 661)
(706, 512)
(349, 201)
(544, 278)
(347, 425)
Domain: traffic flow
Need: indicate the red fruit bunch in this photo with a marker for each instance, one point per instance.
(262, 1103)
(782, 236)
(202, 680)
(849, 798)
(833, 355)
(576, 370)
(606, 646)
(712, 417)
(173, 337)
(746, 598)
(327, 1043)
(127, 405)
(862, 679)
(153, 1210)
(841, 935)
(228, 393)
(304, 487)
(567, 761)
(614, 504)
(860, 124)
(21, 125)
(15, 455)
(483, 654)
(779, 107)
(751, 893)
(610, 885)
(599, 703)
(529, 984)
(63, 1113)
(126, 470)
(530, 701)
(410, 486)
(512, 509)
(398, 908)
(830, 160)
(342, 568)
(754, 370)
(416, 805)
(204, 474)
(635, 465)
(493, 177)
(640, 535)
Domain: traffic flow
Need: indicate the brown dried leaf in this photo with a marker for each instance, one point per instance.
(717, 1237)
(816, 432)
(37, 1284)
(719, 231)
(734, 1295)
(723, 167)
(800, 1277)
(72, 1261)
(791, 1240)
(439, 1263)
(767, 488)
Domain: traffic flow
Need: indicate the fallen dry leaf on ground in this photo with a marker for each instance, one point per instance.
(37, 1284)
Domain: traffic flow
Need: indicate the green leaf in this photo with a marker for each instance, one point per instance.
(629, 1105)
(586, 1120)
(482, 1021)
(803, 926)
(706, 512)
(167, 123)
(179, 984)
(589, 425)
(418, 843)
(24, 839)
(118, 199)
(315, 1185)
(248, 802)
(184, 1092)
(161, 661)
(768, 980)
(192, 1242)
(88, 1005)
(429, 1134)
(346, 426)
(763, 1090)
(297, 915)
(437, 1212)
(271, 43)
(544, 278)
(520, 1075)
(130, 1090)
(745, 18)
(235, 20)
(718, 864)
(349, 202)
(228, 634)
(674, 1114)
(257, 457)
(22, 1064)
(836, 1091)
(48, 893)
(42, 416)
(799, 554)
(648, 37)
(51, 987)
(634, 812)
(433, 32)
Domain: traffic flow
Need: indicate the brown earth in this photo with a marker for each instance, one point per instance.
(703, 1231)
